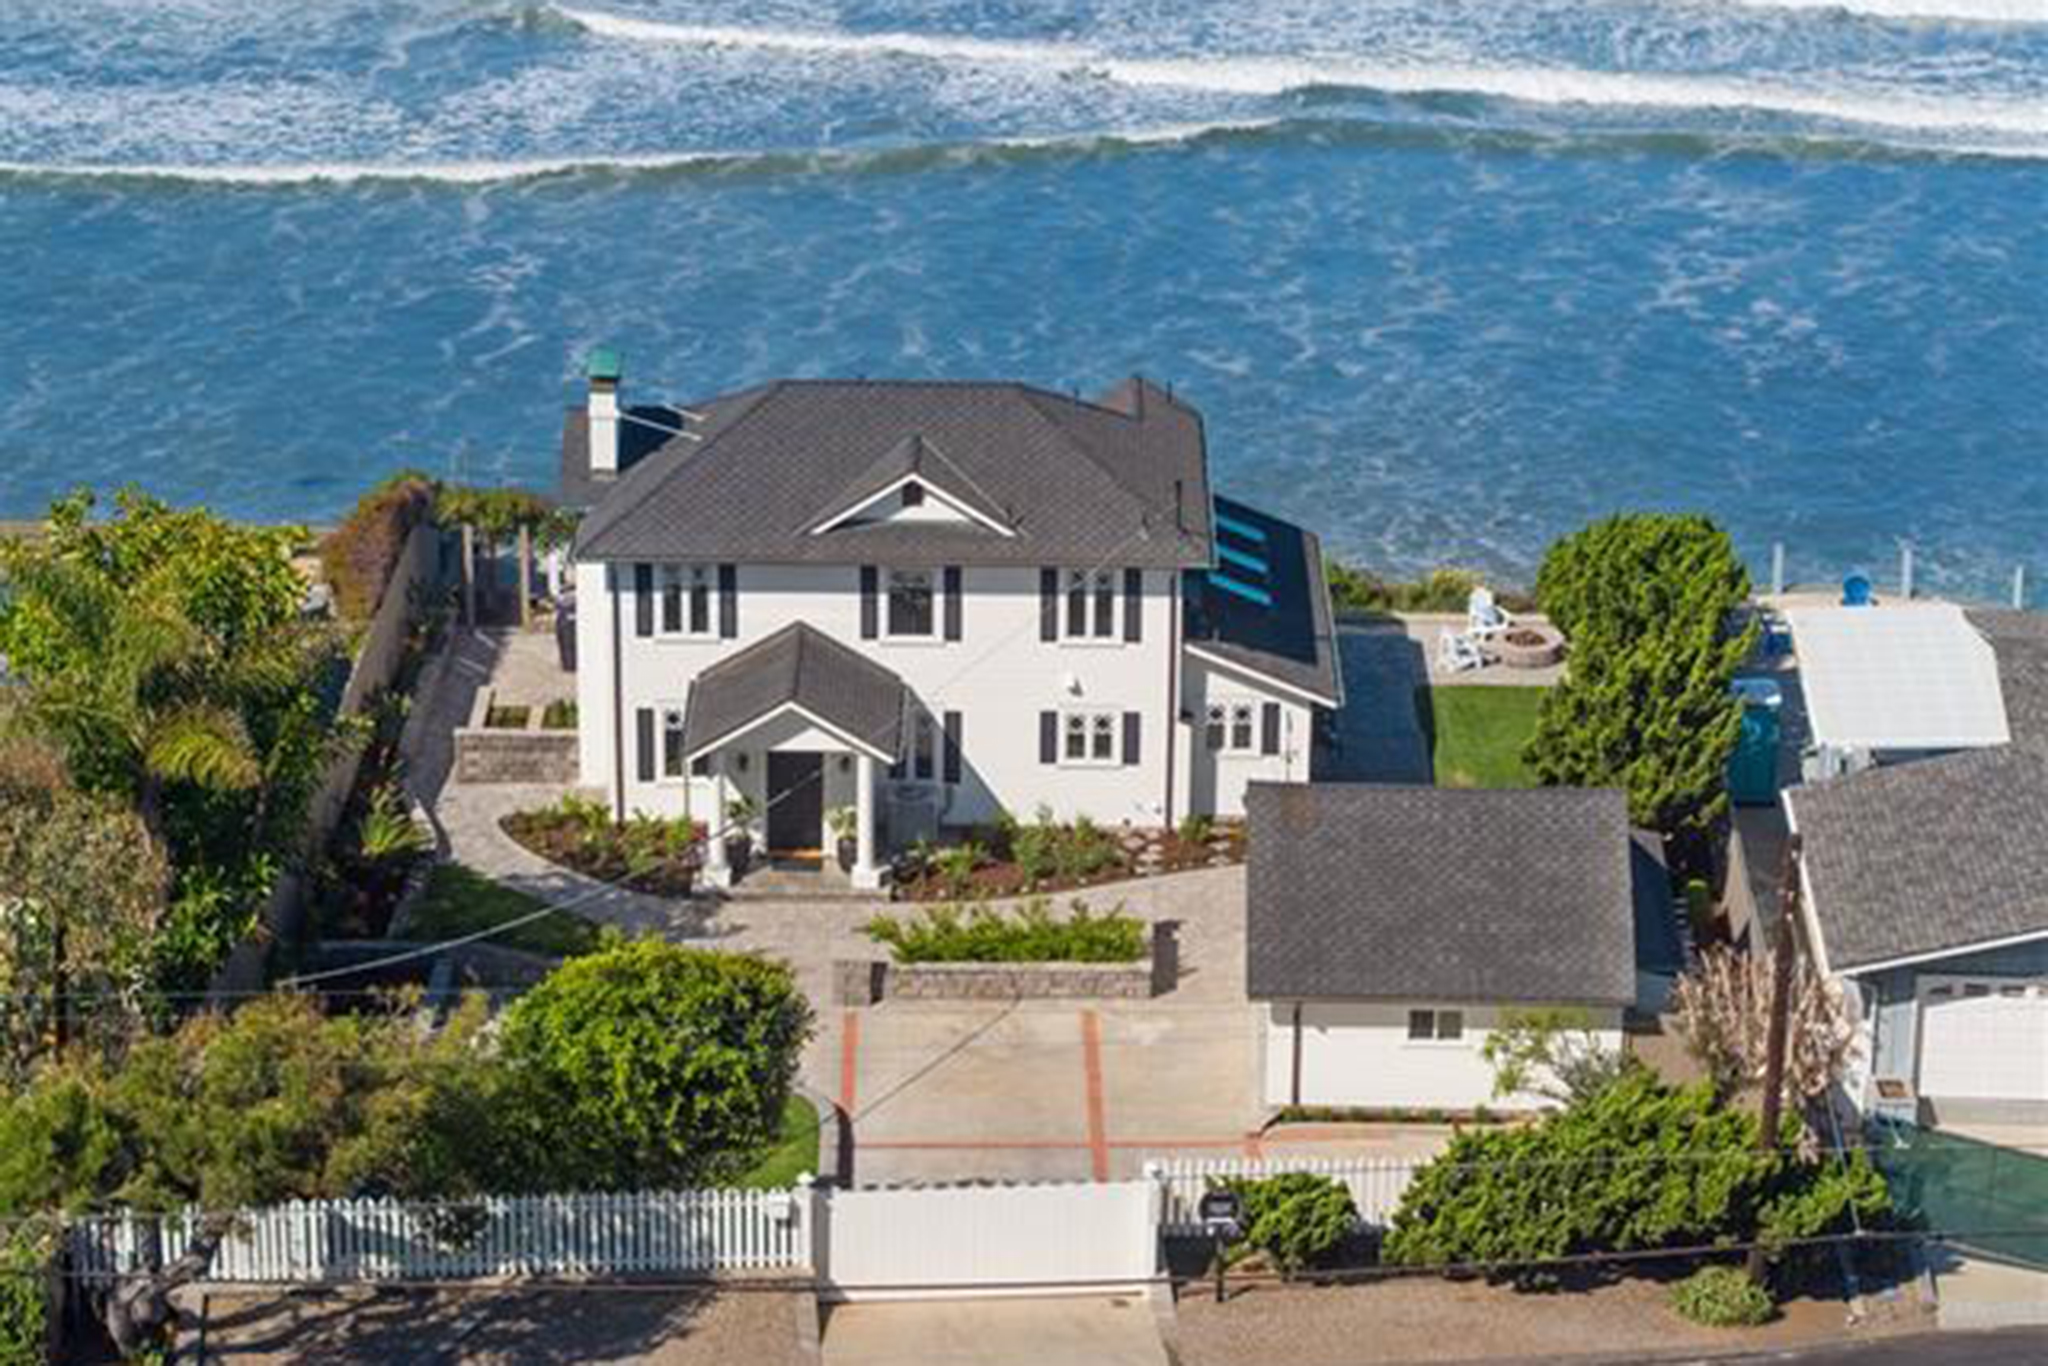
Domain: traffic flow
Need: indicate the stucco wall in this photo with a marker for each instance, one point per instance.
(1359, 1054)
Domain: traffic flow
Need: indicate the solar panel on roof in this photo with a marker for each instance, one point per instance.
(1242, 560)
(1243, 590)
(1238, 528)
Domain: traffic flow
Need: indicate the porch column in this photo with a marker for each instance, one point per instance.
(717, 872)
(865, 874)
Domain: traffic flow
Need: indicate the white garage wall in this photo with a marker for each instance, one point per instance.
(1358, 1053)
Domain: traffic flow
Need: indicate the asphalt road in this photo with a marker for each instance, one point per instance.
(2008, 1347)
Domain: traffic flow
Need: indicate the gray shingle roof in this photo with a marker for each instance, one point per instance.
(1294, 640)
(1373, 892)
(2020, 640)
(1119, 481)
(1928, 856)
(800, 665)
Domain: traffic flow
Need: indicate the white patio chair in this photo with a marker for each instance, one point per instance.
(1457, 651)
(1483, 616)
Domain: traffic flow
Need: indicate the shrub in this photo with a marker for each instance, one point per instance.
(649, 1065)
(647, 853)
(944, 935)
(1722, 1297)
(1441, 590)
(955, 865)
(386, 832)
(1297, 1218)
(24, 1296)
(1196, 829)
(559, 714)
(1640, 1165)
(358, 556)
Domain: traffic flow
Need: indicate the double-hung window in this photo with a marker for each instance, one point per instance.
(1089, 737)
(923, 748)
(1436, 1026)
(1228, 727)
(910, 602)
(672, 742)
(685, 599)
(1091, 604)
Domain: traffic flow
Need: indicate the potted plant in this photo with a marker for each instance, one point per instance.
(844, 823)
(739, 832)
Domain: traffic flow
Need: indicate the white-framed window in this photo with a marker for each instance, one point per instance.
(1088, 737)
(672, 765)
(1436, 1026)
(1231, 727)
(923, 748)
(911, 607)
(685, 591)
(1091, 604)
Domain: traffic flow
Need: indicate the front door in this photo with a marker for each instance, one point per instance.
(796, 802)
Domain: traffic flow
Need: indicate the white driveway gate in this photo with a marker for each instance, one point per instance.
(921, 1242)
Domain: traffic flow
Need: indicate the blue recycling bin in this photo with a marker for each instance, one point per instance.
(1753, 767)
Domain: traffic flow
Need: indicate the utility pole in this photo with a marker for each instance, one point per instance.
(1784, 948)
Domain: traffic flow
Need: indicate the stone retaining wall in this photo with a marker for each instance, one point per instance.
(486, 754)
(863, 983)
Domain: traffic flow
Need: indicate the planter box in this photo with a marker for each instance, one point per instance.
(865, 982)
(491, 754)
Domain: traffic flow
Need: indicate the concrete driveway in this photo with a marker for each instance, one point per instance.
(1041, 1090)
(1014, 1332)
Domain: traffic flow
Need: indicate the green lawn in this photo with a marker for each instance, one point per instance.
(1476, 733)
(459, 901)
(795, 1153)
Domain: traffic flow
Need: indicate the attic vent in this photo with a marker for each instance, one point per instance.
(913, 494)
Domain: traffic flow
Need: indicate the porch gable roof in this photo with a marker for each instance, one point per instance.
(801, 669)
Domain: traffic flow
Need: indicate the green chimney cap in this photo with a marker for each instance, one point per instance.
(603, 363)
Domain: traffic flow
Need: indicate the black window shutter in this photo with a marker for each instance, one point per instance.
(1048, 604)
(1132, 723)
(952, 602)
(870, 606)
(1269, 728)
(728, 601)
(1134, 605)
(643, 599)
(952, 768)
(643, 732)
(1048, 737)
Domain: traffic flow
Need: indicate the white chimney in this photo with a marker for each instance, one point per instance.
(603, 369)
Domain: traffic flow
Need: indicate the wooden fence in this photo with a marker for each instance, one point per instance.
(1376, 1183)
(310, 1242)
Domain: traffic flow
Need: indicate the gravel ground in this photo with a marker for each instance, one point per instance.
(499, 1327)
(1426, 1320)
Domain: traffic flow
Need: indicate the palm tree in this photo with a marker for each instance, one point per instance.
(131, 691)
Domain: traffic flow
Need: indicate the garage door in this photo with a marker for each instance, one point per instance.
(1984, 1039)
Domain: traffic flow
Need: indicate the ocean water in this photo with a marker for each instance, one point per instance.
(1447, 277)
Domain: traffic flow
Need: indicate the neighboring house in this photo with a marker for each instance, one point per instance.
(930, 602)
(1389, 929)
(1924, 879)
(1895, 683)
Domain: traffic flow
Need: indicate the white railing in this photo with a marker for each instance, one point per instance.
(545, 1235)
(1376, 1183)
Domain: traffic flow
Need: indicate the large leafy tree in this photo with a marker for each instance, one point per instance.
(162, 653)
(1648, 602)
(649, 1064)
(276, 1102)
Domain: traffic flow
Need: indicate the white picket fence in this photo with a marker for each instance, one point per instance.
(550, 1235)
(1376, 1183)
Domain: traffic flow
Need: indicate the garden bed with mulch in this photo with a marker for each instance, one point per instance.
(645, 854)
(1011, 859)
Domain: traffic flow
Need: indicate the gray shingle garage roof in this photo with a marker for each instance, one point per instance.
(1368, 892)
(805, 667)
(1926, 857)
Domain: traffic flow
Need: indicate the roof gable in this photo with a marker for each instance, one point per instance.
(797, 668)
(945, 492)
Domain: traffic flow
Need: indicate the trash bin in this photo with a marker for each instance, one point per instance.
(565, 633)
(1753, 768)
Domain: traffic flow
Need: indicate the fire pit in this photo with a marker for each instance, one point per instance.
(1528, 647)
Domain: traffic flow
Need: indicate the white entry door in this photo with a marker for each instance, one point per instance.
(1983, 1038)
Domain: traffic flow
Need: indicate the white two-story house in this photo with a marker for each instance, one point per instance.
(928, 603)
